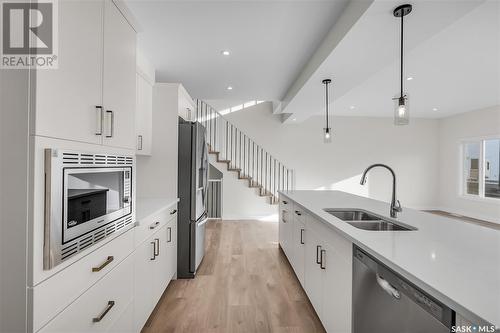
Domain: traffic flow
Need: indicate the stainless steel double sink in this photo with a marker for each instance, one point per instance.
(365, 220)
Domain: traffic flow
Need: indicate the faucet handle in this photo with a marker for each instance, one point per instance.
(398, 207)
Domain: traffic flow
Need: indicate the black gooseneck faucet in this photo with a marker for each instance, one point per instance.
(395, 204)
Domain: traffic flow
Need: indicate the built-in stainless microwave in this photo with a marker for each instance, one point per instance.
(88, 197)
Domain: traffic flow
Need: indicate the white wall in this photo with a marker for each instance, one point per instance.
(452, 130)
(357, 142)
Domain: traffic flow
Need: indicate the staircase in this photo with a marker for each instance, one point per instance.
(242, 155)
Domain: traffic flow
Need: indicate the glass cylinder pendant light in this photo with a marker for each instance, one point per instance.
(401, 107)
(327, 131)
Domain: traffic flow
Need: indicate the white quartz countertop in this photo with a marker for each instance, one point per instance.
(454, 261)
(146, 206)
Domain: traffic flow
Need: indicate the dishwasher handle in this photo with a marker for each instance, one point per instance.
(388, 288)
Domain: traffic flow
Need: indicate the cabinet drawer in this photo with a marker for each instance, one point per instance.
(151, 224)
(299, 214)
(54, 294)
(100, 307)
(286, 204)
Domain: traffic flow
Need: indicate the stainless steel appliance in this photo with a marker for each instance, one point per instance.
(385, 302)
(87, 198)
(192, 191)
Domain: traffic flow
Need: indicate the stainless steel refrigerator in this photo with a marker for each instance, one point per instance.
(192, 190)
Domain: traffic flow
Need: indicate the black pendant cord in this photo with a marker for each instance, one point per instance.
(402, 20)
(327, 105)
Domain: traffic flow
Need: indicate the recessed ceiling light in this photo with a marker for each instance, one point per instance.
(229, 88)
(225, 52)
(352, 107)
(434, 109)
(409, 78)
(294, 119)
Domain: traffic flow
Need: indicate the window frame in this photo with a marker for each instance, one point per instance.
(482, 165)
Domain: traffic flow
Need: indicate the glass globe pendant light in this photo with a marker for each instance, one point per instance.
(327, 131)
(401, 107)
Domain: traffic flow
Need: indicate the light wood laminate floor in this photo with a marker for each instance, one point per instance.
(244, 284)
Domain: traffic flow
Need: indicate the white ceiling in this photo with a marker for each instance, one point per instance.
(269, 41)
(452, 52)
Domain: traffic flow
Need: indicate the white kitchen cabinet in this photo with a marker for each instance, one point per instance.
(336, 290)
(187, 107)
(143, 287)
(155, 265)
(171, 247)
(53, 295)
(119, 79)
(299, 249)
(65, 99)
(91, 96)
(328, 276)
(144, 115)
(99, 308)
(312, 271)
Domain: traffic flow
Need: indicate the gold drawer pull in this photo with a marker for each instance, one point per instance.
(104, 264)
(104, 313)
(173, 212)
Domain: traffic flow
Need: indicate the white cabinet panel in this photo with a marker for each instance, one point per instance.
(171, 248)
(119, 79)
(144, 116)
(285, 234)
(337, 291)
(299, 249)
(65, 99)
(313, 275)
(98, 309)
(143, 283)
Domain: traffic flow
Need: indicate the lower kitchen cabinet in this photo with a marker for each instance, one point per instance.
(336, 291)
(102, 307)
(322, 262)
(299, 249)
(312, 271)
(155, 265)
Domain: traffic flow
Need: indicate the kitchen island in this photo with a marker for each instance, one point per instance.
(455, 262)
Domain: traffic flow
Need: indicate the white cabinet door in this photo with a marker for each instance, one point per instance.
(312, 274)
(119, 79)
(143, 283)
(66, 98)
(337, 291)
(171, 248)
(283, 228)
(144, 116)
(161, 267)
(299, 249)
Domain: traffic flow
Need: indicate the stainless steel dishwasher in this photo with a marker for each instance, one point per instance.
(384, 302)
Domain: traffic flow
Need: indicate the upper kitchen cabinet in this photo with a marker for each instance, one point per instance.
(91, 96)
(145, 79)
(67, 99)
(187, 107)
(118, 79)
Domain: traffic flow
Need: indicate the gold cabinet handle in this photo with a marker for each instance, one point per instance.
(173, 212)
(154, 225)
(104, 313)
(104, 264)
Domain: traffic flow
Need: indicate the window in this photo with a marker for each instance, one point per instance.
(481, 168)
